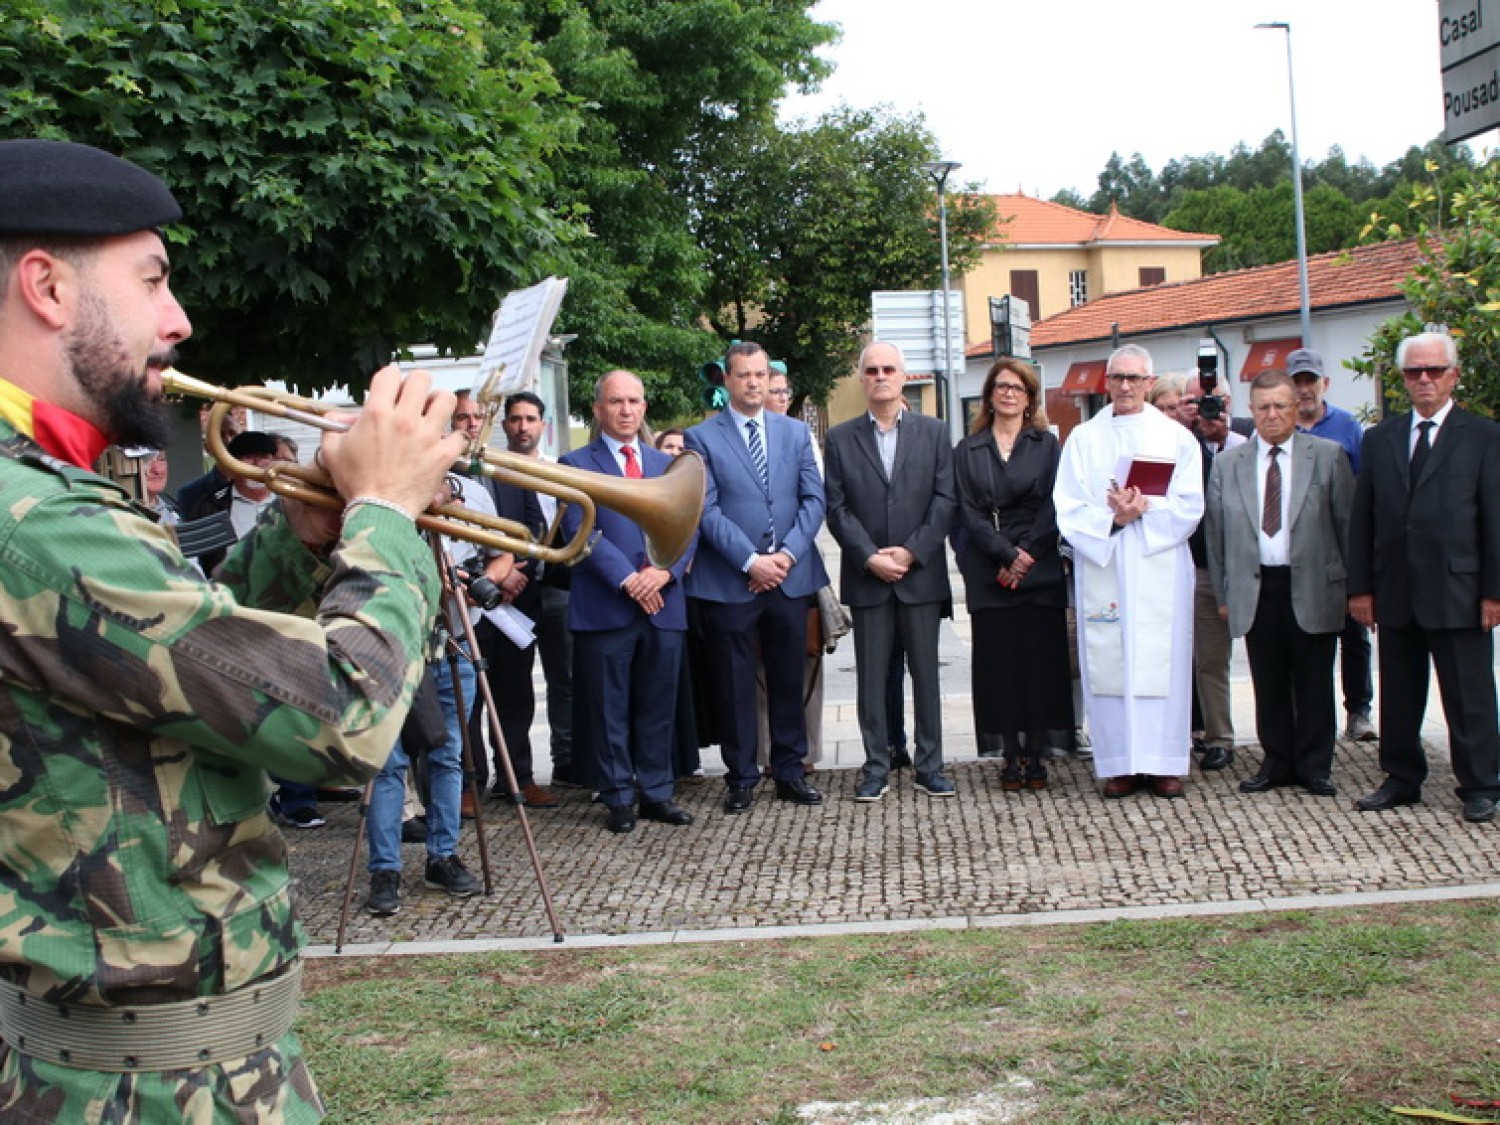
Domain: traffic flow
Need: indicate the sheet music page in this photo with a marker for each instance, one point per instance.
(522, 325)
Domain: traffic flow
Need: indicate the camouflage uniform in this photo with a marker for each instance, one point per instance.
(141, 709)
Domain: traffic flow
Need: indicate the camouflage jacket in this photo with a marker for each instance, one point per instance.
(141, 709)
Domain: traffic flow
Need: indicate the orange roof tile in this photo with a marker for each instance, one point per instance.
(1037, 222)
(1344, 277)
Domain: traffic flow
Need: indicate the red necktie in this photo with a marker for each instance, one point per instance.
(632, 466)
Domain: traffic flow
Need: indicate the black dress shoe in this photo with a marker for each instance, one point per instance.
(900, 759)
(621, 819)
(1260, 783)
(738, 798)
(1216, 758)
(798, 792)
(1477, 810)
(1321, 787)
(1391, 795)
(665, 812)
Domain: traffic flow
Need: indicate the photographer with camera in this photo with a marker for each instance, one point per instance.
(444, 764)
(1205, 411)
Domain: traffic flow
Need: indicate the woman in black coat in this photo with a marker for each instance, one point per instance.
(1017, 592)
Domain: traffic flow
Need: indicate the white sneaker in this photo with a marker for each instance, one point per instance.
(1360, 729)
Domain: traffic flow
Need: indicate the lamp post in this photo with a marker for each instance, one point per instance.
(1291, 89)
(939, 170)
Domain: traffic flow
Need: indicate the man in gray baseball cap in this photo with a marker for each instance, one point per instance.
(1319, 417)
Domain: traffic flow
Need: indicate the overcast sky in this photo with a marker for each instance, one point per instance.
(1035, 95)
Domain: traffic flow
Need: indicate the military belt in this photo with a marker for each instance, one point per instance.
(146, 1037)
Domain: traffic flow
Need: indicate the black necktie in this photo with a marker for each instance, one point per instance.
(1270, 513)
(1423, 448)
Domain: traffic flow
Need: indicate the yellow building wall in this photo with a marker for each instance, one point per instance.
(1118, 267)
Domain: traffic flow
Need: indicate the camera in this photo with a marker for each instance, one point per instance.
(1210, 407)
(1208, 370)
(482, 592)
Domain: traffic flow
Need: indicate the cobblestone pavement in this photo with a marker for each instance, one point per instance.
(910, 857)
(982, 855)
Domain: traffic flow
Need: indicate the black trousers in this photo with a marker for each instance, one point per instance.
(1464, 660)
(1293, 675)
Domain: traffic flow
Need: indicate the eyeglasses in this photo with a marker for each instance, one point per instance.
(1131, 379)
(783, 392)
(1009, 389)
(1433, 373)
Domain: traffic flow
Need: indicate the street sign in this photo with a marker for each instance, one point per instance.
(1469, 47)
(913, 319)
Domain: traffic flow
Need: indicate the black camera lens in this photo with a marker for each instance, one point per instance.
(1211, 407)
(482, 592)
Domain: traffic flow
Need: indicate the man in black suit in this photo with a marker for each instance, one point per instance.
(891, 502)
(508, 667)
(1424, 566)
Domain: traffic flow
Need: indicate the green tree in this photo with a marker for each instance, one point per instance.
(356, 176)
(662, 82)
(800, 226)
(1456, 282)
(1258, 226)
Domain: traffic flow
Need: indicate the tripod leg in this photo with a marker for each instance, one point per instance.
(502, 754)
(359, 830)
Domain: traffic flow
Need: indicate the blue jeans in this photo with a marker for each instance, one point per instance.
(445, 779)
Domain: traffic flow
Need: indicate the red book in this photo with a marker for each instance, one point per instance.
(1151, 475)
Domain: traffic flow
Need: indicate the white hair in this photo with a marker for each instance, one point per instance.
(1449, 345)
(1132, 351)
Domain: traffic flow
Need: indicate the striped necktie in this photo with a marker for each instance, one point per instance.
(758, 453)
(1270, 515)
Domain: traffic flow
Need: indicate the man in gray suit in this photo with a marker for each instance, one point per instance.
(1277, 516)
(891, 502)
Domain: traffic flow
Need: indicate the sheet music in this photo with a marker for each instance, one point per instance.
(522, 326)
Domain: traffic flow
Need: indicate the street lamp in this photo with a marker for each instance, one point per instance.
(939, 170)
(1291, 88)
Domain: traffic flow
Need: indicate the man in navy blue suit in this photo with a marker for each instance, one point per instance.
(756, 573)
(629, 620)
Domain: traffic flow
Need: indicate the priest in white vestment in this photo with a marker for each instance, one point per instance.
(1133, 580)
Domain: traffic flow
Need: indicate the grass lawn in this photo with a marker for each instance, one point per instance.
(1319, 1017)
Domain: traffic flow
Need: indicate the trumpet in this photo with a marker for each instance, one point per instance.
(666, 508)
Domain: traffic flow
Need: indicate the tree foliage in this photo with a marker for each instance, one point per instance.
(355, 175)
(1456, 282)
(663, 81)
(800, 225)
(1246, 197)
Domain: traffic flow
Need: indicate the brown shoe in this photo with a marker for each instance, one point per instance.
(1122, 786)
(466, 805)
(1167, 786)
(538, 797)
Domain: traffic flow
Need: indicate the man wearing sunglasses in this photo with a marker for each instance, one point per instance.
(1424, 566)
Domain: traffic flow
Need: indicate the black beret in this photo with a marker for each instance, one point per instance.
(252, 443)
(57, 187)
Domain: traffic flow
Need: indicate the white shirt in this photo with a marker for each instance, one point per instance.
(1275, 550)
(616, 449)
(1437, 421)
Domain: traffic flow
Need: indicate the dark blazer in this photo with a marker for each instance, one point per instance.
(737, 509)
(596, 603)
(520, 505)
(1322, 490)
(914, 509)
(1429, 553)
(1017, 496)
